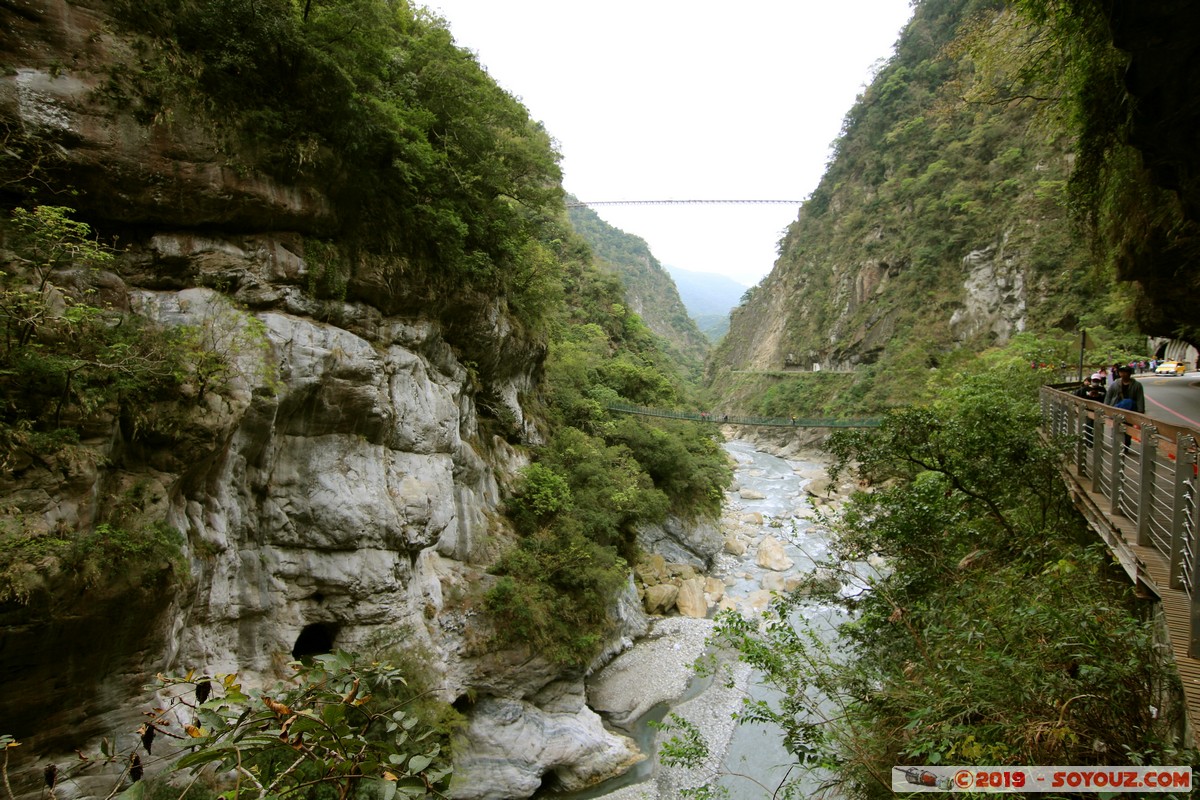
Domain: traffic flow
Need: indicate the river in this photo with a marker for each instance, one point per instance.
(767, 500)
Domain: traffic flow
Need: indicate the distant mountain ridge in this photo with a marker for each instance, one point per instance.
(649, 288)
(708, 297)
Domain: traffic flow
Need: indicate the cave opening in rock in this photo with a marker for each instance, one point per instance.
(550, 785)
(316, 639)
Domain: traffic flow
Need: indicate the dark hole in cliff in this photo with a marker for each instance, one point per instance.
(316, 639)
(317, 598)
(550, 784)
(462, 703)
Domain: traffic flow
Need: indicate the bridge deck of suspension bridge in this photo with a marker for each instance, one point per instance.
(732, 419)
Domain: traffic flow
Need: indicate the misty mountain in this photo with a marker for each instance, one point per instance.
(708, 297)
(649, 289)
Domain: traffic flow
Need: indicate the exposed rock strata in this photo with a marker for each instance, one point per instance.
(340, 486)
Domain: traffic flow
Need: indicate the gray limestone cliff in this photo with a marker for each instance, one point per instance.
(337, 486)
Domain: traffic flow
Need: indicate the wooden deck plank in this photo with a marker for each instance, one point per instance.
(1177, 611)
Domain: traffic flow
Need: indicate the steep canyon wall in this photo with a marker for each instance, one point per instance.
(337, 486)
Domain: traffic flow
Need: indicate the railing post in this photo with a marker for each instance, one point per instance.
(1114, 469)
(1145, 500)
(1184, 459)
(1080, 433)
(1097, 451)
(1194, 598)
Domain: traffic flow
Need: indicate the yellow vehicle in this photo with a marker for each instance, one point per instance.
(1170, 368)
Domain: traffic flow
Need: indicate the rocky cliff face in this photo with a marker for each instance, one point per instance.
(939, 228)
(1162, 41)
(338, 487)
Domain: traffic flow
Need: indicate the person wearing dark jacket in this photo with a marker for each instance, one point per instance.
(1091, 390)
(1126, 389)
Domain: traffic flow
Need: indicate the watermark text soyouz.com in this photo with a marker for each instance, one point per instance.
(1041, 779)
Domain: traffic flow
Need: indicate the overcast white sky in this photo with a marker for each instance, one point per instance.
(686, 99)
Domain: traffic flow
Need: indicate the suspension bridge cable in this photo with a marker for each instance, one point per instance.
(589, 203)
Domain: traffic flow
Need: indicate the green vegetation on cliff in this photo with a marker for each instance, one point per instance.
(599, 476)
(943, 226)
(1132, 111)
(412, 190)
(437, 171)
(648, 286)
(427, 161)
(992, 153)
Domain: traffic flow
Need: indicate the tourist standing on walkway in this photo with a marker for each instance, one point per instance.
(1126, 392)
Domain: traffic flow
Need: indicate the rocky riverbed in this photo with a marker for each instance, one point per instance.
(772, 543)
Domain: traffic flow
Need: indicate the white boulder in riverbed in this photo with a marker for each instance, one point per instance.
(779, 582)
(714, 589)
(757, 602)
(771, 555)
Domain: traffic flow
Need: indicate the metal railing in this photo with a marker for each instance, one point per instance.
(1145, 471)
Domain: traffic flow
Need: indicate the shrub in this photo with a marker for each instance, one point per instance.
(554, 595)
(340, 728)
(544, 493)
(31, 560)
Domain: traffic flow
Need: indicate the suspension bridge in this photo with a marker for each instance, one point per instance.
(731, 419)
(590, 203)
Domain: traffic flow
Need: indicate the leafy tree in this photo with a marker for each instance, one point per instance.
(997, 633)
(47, 239)
(683, 459)
(64, 359)
(221, 345)
(337, 729)
(554, 594)
(543, 494)
(429, 163)
(331, 726)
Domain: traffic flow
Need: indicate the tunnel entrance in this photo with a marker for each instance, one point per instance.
(316, 639)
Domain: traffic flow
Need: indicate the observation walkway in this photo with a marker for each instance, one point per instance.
(730, 419)
(1137, 481)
